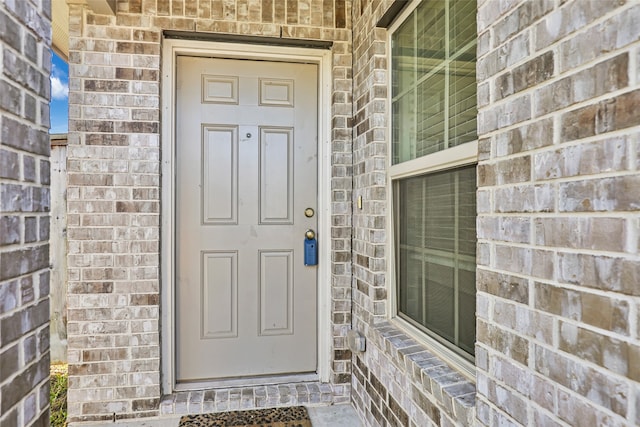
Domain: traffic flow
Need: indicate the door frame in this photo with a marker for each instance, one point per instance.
(172, 48)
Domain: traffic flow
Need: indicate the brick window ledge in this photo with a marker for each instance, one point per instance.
(433, 379)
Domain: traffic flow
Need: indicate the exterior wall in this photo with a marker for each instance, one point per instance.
(558, 179)
(558, 225)
(396, 381)
(558, 337)
(25, 40)
(114, 187)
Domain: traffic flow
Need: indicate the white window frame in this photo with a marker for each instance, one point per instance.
(458, 156)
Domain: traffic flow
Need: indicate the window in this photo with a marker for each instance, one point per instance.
(433, 173)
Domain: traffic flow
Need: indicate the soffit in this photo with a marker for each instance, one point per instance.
(60, 20)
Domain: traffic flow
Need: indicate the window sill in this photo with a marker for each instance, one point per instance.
(455, 393)
(456, 361)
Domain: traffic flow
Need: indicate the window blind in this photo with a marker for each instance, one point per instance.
(434, 79)
(436, 245)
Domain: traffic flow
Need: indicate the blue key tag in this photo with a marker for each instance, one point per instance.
(310, 251)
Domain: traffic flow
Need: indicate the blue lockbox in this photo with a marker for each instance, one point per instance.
(310, 251)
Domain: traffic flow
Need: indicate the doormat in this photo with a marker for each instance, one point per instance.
(295, 416)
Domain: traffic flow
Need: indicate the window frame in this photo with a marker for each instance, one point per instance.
(450, 158)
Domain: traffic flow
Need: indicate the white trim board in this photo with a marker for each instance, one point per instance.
(173, 48)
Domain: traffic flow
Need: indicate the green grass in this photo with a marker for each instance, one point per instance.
(58, 395)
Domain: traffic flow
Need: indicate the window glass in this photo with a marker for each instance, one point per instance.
(462, 104)
(434, 79)
(436, 247)
(462, 25)
(433, 109)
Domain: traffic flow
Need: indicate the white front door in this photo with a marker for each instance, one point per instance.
(246, 135)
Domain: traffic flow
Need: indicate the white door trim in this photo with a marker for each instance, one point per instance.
(173, 48)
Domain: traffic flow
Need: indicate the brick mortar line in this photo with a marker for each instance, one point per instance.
(135, 67)
(616, 11)
(18, 117)
(555, 184)
(557, 74)
(530, 404)
(493, 353)
(82, 119)
(532, 339)
(619, 10)
(626, 132)
(616, 255)
(571, 287)
(629, 215)
(574, 393)
(16, 342)
(37, 65)
(494, 106)
(562, 180)
(207, 22)
(20, 246)
(561, 250)
(556, 180)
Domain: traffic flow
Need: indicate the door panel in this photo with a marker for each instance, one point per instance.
(220, 174)
(246, 169)
(219, 294)
(276, 292)
(276, 175)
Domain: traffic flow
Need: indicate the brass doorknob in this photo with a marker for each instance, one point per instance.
(310, 234)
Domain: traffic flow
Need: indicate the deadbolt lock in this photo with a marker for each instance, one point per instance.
(309, 212)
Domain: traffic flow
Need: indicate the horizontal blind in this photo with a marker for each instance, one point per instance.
(436, 247)
(434, 79)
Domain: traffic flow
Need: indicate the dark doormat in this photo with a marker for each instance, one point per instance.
(296, 416)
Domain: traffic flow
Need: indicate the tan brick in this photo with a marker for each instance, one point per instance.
(566, 20)
(591, 248)
(607, 116)
(504, 228)
(584, 159)
(609, 194)
(135, 74)
(603, 312)
(102, 355)
(138, 48)
(606, 391)
(582, 233)
(602, 78)
(512, 345)
(599, 39)
(508, 287)
(611, 353)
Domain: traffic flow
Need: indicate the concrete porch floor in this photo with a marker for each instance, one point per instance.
(343, 415)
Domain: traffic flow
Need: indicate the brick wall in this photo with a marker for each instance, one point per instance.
(25, 40)
(114, 186)
(557, 227)
(558, 94)
(397, 381)
(558, 339)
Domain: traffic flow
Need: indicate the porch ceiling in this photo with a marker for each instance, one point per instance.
(60, 20)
